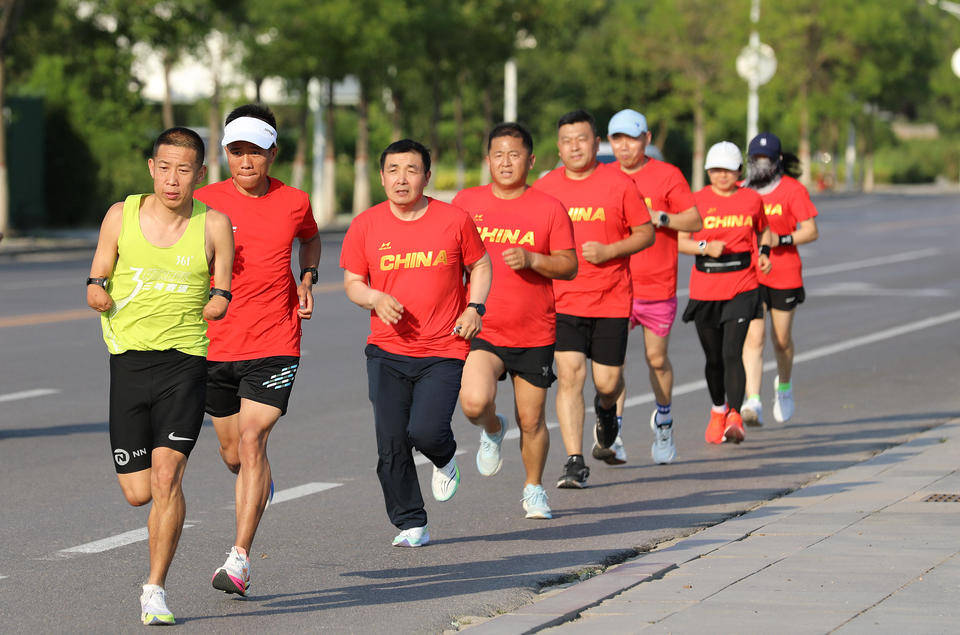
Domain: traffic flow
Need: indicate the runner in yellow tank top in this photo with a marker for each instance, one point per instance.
(150, 281)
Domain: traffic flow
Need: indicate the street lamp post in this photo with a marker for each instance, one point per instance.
(756, 64)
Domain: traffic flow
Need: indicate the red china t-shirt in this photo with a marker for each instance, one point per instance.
(420, 263)
(787, 205)
(520, 307)
(603, 207)
(736, 220)
(262, 320)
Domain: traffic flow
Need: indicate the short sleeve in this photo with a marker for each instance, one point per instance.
(760, 218)
(561, 229)
(678, 196)
(470, 244)
(634, 209)
(308, 224)
(352, 255)
(801, 207)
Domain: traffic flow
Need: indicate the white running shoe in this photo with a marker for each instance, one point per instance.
(414, 537)
(535, 502)
(489, 456)
(752, 413)
(153, 607)
(663, 450)
(234, 575)
(783, 403)
(445, 481)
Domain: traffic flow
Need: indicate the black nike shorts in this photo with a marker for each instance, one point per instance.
(268, 380)
(156, 400)
(533, 364)
(782, 299)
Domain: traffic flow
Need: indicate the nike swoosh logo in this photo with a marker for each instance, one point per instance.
(172, 436)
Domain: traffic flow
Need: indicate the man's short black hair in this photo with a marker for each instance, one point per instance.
(257, 111)
(407, 145)
(511, 129)
(576, 116)
(181, 138)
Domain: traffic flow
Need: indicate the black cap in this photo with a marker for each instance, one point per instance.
(766, 144)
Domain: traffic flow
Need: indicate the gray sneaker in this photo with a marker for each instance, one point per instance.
(489, 456)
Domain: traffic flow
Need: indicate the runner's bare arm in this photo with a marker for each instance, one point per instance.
(688, 220)
(481, 277)
(806, 232)
(560, 264)
(105, 257)
(686, 245)
(641, 237)
(360, 293)
(766, 239)
(309, 256)
(219, 234)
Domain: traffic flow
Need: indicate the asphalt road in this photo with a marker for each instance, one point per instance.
(878, 361)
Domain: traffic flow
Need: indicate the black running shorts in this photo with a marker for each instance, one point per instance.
(604, 340)
(713, 313)
(267, 380)
(534, 364)
(156, 400)
(782, 299)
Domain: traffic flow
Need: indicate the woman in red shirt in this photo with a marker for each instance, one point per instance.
(723, 283)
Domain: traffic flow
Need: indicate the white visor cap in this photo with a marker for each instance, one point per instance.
(256, 131)
(723, 155)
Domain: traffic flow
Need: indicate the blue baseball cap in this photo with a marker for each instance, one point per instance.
(628, 122)
(766, 144)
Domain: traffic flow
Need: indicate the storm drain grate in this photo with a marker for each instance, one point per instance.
(942, 498)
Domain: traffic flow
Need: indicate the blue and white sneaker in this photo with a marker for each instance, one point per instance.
(489, 456)
(535, 502)
(414, 537)
(445, 481)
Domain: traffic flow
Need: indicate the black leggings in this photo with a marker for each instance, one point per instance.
(723, 346)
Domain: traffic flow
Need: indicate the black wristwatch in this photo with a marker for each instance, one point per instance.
(215, 291)
(100, 282)
(664, 219)
(313, 274)
(481, 309)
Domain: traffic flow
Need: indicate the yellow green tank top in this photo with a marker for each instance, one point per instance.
(158, 292)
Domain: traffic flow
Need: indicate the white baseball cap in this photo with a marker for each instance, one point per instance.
(724, 155)
(256, 131)
(628, 122)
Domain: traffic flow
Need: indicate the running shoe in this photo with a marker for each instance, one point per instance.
(414, 537)
(489, 457)
(616, 454)
(716, 427)
(783, 404)
(575, 474)
(752, 412)
(153, 607)
(234, 575)
(446, 480)
(535, 502)
(663, 450)
(607, 428)
(734, 427)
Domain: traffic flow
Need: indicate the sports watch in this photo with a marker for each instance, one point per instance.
(481, 308)
(100, 282)
(313, 274)
(702, 246)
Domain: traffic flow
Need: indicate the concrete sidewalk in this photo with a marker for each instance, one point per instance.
(862, 550)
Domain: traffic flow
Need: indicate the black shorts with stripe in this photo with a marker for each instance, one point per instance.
(267, 380)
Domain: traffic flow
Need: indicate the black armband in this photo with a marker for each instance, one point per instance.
(765, 250)
(215, 291)
(786, 239)
(100, 282)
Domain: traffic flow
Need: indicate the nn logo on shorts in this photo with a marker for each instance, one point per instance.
(413, 260)
(587, 214)
(715, 222)
(501, 235)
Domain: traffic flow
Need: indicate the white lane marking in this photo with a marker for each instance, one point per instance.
(872, 290)
(120, 540)
(817, 353)
(299, 491)
(419, 459)
(872, 262)
(2, 577)
(36, 284)
(28, 394)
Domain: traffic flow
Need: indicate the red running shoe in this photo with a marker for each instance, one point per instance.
(734, 430)
(718, 423)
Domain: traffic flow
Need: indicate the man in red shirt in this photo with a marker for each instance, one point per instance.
(654, 272)
(792, 219)
(404, 260)
(255, 351)
(530, 241)
(610, 223)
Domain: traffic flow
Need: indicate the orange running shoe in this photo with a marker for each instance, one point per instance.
(734, 430)
(718, 423)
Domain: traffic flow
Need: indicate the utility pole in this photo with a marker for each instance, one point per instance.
(756, 64)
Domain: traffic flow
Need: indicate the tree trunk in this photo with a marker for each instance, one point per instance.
(458, 123)
(167, 97)
(330, 162)
(487, 127)
(4, 180)
(361, 161)
(660, 139)
(803, 151)
(213, 140)
(299, 168)
(699, 140)
(435, 123)
(396, 116)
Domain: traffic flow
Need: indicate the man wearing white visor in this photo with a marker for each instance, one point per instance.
(254, 356)
(654, 272)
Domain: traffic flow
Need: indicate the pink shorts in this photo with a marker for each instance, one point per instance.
(656, 315)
